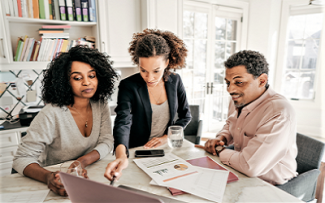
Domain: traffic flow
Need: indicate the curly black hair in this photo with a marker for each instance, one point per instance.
(153, 42)
(254, 62)
(56, 83)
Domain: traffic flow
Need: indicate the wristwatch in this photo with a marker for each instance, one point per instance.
(219, 149)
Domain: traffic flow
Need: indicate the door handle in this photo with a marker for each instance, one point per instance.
(208, 88)
(3, 50)
(211, 87)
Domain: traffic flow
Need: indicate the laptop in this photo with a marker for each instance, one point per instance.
(84, 190)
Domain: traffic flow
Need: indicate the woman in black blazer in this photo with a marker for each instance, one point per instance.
(149, 101)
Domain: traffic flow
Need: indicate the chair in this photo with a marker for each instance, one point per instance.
(193, 130)
(310, 154)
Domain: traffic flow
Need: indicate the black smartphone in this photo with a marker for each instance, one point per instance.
(149, 153)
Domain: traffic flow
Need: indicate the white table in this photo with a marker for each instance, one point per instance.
(244, 190)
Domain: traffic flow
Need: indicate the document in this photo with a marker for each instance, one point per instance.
(209, 184)
(25, 197)
(166, 169)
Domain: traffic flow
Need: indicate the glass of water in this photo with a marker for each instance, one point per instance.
(72, 167)
(175, 136)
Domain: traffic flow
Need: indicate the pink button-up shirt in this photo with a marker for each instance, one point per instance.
(264, 138)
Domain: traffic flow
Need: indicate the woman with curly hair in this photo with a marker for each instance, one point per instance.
(75, 123)
(149, 101)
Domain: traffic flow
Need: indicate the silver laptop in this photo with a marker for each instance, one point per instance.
(83, 190)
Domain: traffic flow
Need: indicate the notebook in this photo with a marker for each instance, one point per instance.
(85, 190)
(205, 162)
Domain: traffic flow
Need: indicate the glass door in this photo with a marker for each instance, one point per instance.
(226, 42)
(196, 39)
(211, 34)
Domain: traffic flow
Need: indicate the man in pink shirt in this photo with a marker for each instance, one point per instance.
(262, 127)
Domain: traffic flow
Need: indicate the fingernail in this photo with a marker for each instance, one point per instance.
(116, 173)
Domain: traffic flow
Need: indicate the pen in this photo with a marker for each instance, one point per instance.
(112, 181)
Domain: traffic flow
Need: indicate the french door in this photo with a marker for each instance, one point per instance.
(212, 34)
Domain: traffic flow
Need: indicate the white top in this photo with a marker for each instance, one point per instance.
(160, 118)
(54, 137)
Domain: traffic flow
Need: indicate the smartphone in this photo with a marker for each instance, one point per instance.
(149, 153)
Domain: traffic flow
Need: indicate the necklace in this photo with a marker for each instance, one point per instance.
(86, 124)
(157, 100)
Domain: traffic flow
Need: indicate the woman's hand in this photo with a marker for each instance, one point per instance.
(156, 142)
(115, 168)
(54, 183)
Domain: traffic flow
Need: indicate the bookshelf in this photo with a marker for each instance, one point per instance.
(14, 27)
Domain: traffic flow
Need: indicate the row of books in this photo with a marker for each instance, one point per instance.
(71, 10)
(29, 49)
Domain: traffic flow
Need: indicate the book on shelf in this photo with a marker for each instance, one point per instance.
(24, 8)
(56, 26)
(69, 10)
(33, 51)
(42, 30)
(63, 35)
(56, 9)
(6, 8)
(29, 4)
(30, 50)
(11, 7)
(35, 9)
(84, 7)
(20, 12)
(20, 42)
(36, 51)
(23, 49)
(15, 2)
(77, 10)
(50, 10)
(92, 11)
(62, 7)
(19, 50)
(41, 9)
(47, 9)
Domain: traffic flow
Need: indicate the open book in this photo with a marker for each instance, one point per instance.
(205, 162)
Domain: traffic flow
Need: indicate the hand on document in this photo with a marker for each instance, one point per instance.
(172, 171)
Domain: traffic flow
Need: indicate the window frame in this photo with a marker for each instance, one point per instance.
(292, 8)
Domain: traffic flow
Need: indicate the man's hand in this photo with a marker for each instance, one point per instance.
(54, 184)
(210, 145)
(156, 142)
(115, 168)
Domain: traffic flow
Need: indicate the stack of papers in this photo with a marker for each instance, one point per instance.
(172, 171)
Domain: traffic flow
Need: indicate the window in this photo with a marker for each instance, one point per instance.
(303, 43)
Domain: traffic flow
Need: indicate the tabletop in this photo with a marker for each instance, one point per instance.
(244, 190)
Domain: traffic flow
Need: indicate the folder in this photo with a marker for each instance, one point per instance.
(69, 10)
(77, 7)
(92, 11)
(63, 15)
(84, 6)
(205, 162)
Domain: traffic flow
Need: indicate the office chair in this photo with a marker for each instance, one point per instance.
(310, 154)
(193, 130)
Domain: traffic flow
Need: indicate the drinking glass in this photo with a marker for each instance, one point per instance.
(175, 136)
(72, 167)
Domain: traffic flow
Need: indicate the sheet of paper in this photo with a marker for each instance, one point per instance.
(25, 197)
(209, 184)
(167, 168)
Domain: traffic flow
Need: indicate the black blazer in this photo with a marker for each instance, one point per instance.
(132, 125)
